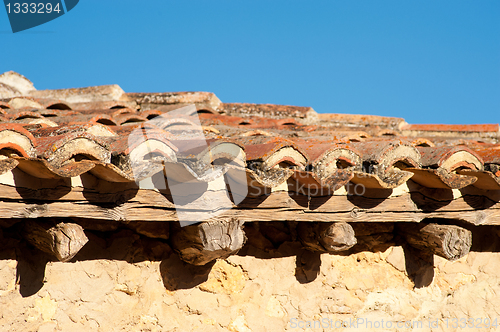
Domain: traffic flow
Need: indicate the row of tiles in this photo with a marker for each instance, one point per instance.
(142, 107)
(127, 136)
(120, 151)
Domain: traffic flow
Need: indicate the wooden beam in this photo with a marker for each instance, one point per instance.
(201, 243)
(326, 236)
(124, 202)
(448, 241)
(134, 211)
(63, 240)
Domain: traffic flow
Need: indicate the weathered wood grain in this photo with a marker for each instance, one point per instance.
(201, 243)
(22, 196)
(448, 241)
(326, 237)
(62, 240)
(133, 211)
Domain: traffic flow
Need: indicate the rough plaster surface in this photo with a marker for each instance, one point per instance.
(129, 283)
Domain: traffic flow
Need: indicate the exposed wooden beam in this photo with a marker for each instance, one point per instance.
(62, 240)
(201, 243)
(448, 241)
(326, 236)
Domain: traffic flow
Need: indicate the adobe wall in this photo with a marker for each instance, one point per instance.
(124, 282)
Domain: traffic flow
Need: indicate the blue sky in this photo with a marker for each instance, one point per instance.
(425, 61)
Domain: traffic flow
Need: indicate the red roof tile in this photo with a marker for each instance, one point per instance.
(453, 128)
(126, 137)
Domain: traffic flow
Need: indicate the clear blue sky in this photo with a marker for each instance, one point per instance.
(425, 61)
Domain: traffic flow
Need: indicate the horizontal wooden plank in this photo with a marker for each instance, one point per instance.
(141, 212)
(488, 217)
(412, 201)
(92, 198)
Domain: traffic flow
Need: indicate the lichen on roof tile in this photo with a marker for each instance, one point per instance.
(126, 137)
(81, 95)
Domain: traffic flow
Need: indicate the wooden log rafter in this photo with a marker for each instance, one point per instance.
(201, 243)
(448, 241)
(326, 236)
(62, 240)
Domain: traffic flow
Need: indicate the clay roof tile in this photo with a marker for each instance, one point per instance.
(126, 137)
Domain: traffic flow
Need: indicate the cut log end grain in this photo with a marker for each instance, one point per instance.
(326, 236)
(448, 241)
(201, 243)
(62, 240)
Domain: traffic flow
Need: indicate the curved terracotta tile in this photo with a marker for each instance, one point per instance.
(256, 132)
(140, 151)
(95, 129)
(450, 158)
(165, 98)
(71, 169)
(489, 179)
(50, 113)
(126, 118)
(6, 163)
(490, 154)
(422, 142)
(203, 102)
(216, 119)
(108, 111)
(269, 111)
(17, 82)
(183, 173)
(16, 138)
(336, 136)
(274, 152)
(385, 163)
(59, 150)
(104, 119)
(42, 122)
(486, 180)
(176, 124)
(22, 102)
(355, 120)
(332, 165)
(55, 104)
(23, 114)
(130, 139)
(103, 105)
(150, 114)
(43, 169)
(83, 95)
(440, 166)
(259, 179)
(251, 122)
(453, 128)
(386, 133)
(198, 109)
(111, 173)
(38, 168)
(206, 155)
